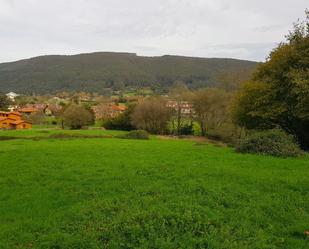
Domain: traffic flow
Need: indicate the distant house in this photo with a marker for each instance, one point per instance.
(47, 109)
(108, 110)
(185, 107)
(118, 108)
(52, 109)
(28, 110)
(13, 120)
(12, 95)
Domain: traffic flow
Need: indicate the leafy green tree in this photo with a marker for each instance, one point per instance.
(4, 102)
(278, 95)
(76, 117)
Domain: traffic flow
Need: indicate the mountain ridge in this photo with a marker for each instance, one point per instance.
(97, 71)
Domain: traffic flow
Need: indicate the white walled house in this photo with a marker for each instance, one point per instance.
(12, 95)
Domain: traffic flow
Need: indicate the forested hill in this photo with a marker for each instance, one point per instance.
(98, 71)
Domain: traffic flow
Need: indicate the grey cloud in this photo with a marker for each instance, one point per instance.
(247, 29)
(247, 51)
(269, 28)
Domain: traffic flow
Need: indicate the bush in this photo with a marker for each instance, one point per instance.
(271, 142)
(121, 122)
(77, 117)
(137, 134)
(186, 129)
(118, 123)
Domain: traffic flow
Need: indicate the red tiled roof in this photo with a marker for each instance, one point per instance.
(28, 109)
(15, 113)
(119, 107)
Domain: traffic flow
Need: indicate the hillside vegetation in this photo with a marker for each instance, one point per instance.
(98, 71)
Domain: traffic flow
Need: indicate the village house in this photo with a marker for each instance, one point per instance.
(108, 110)
(185, 107)
(52, 109)
(13, 120)
(27, 110)
(47, 109)
(12, 96)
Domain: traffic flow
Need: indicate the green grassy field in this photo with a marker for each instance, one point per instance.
(116, 193)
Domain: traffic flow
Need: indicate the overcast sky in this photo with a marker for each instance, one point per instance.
(245, 29)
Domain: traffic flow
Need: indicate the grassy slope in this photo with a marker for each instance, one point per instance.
(113, 193)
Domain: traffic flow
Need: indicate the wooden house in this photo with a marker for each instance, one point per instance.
(13, 120)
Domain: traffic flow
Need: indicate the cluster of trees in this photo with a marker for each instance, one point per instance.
(278, 94)
(207, 113)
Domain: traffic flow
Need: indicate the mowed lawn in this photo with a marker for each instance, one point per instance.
(118, 193)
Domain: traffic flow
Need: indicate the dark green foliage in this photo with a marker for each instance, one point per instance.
(77, 116)
(271, 142)
(98, 71)
(278, 96)
(136, 134)
(122, 122)
(186, 129)
(4, 102)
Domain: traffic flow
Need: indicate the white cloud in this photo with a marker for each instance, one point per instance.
(206, 28)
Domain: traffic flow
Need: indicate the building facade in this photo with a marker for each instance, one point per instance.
(13, 121)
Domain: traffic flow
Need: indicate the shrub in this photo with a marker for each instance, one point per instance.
(136, 134)
(76, 117)
(118, 123)
(121, 122)
(186, 129)
(271, 142)
(4, 102)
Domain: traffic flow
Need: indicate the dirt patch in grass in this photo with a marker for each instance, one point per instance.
(72, 136)
(5, 138)
(54, 136)
(199, 140)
